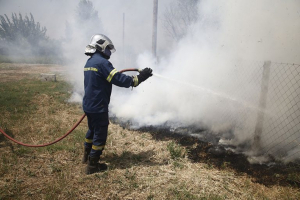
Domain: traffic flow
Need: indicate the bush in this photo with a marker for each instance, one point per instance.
(176, 151)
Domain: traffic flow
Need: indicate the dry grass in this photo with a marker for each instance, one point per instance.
(140, 167)
(15, 72)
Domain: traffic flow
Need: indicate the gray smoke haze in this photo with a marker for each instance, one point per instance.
(213, 83)
(228, 31)
(203, 79)
(55, 14)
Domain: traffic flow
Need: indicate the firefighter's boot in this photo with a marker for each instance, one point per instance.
(86, 154)
(94, 166)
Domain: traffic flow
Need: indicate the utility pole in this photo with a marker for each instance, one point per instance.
(154, 31)
(123, 39)
(262, 106)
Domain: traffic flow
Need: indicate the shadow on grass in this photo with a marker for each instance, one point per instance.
(6, 141)
(199, 151)
(128, 159)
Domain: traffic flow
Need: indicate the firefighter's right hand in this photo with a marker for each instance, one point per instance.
(144, 75)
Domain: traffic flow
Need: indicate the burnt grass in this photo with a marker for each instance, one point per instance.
(218, 156)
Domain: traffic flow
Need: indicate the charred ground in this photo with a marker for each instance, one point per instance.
(221, 156)
(148, 163)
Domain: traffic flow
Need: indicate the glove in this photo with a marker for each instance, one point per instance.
(144, 75)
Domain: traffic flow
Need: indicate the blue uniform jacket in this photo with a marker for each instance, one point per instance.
(99, 75)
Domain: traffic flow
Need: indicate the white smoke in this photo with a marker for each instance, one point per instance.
(227, 31)
(198, 80)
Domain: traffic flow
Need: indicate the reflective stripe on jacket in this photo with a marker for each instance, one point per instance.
(99, 75)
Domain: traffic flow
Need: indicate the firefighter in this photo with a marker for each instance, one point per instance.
(99, 75)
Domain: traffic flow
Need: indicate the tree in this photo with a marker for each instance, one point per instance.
(179, 16)
(20, 29)
(86, 24)
(23, 37)
(87, 17)
(68, 32)
(86, 11)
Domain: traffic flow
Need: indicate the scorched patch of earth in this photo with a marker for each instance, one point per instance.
(206, 149)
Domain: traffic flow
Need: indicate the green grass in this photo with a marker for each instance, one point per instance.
(182, 193)
(294, 178)
(21, 100)
(16, 97)
(176, 151)
(31, 59)
(21, 151)
(140, 167)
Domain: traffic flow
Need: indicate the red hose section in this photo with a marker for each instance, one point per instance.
(43, 145)
(130, 69)
(65, 135)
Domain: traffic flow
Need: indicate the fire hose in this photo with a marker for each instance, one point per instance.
(65, 135)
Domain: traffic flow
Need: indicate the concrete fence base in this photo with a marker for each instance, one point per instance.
(48, 77)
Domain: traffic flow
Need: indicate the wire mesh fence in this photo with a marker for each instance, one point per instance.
(281, 127)
(269, 108)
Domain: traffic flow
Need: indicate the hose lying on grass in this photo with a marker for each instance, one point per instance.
(65, 135)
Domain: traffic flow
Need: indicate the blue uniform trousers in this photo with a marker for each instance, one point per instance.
(96, 136)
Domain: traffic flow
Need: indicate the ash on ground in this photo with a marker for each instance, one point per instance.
(219, 143)
(215, 150)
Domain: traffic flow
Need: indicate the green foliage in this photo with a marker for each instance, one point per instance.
(87, 17)
(23, 37)
(86, 11)
(20, 28)
(176, 151)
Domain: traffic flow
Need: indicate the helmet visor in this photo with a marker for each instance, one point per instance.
(111, 47)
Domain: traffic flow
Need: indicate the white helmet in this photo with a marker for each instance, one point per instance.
(99, 42)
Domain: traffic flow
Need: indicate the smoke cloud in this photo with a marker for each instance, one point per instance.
(210, 78)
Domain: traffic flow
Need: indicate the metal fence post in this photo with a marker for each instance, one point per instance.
(262, 105)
